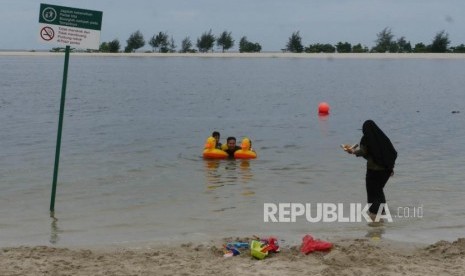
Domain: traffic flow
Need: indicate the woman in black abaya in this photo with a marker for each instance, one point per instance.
(380, 154)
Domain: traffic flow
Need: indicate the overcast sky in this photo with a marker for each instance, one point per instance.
(268, 22)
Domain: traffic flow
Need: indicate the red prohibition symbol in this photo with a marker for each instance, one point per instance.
(47, 33)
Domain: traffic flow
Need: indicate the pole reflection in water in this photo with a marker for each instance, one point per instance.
(54, 230)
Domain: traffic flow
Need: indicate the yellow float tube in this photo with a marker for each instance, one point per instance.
(211, 152)
(246, 151)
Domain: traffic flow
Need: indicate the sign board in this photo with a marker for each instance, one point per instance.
(64, 26)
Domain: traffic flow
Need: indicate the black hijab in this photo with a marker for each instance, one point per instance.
(378, 145)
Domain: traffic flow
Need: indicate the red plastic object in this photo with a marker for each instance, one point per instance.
(271, 245)
(309, 245)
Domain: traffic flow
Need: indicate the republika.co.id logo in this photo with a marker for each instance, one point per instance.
(333, 212)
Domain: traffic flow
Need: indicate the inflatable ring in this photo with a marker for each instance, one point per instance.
(245, 154)
(210, 152)
(246, 151)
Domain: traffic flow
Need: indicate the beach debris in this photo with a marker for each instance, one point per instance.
(234, 248)
(260, 247)
(228, 254)
(238, 244)
(257, 250)
(271, 244)
(230, 251)
(309, 244)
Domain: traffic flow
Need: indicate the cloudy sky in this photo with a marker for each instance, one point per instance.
(268, 22)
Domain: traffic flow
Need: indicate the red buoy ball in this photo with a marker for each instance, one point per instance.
(323, 108)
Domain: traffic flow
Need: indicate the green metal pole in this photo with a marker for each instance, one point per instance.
(60, 127)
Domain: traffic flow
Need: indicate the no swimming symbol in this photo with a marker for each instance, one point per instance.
(47, 33)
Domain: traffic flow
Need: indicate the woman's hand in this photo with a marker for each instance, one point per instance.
(348, 148)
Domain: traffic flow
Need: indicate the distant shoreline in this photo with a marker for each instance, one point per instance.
(252, 55)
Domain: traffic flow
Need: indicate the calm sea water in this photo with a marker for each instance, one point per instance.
(134, 128)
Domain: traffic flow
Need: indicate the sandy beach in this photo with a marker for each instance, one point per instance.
(251, 55)
(348, 257)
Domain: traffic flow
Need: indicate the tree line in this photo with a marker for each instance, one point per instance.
(385, 43)
(162, 43)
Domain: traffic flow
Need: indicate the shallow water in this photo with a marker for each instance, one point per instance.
(134, 128)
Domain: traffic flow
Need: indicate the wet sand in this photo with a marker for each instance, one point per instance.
(347, 257)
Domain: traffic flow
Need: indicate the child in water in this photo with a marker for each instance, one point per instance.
(216, 135)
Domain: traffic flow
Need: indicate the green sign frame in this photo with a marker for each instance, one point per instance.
(70, 17)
